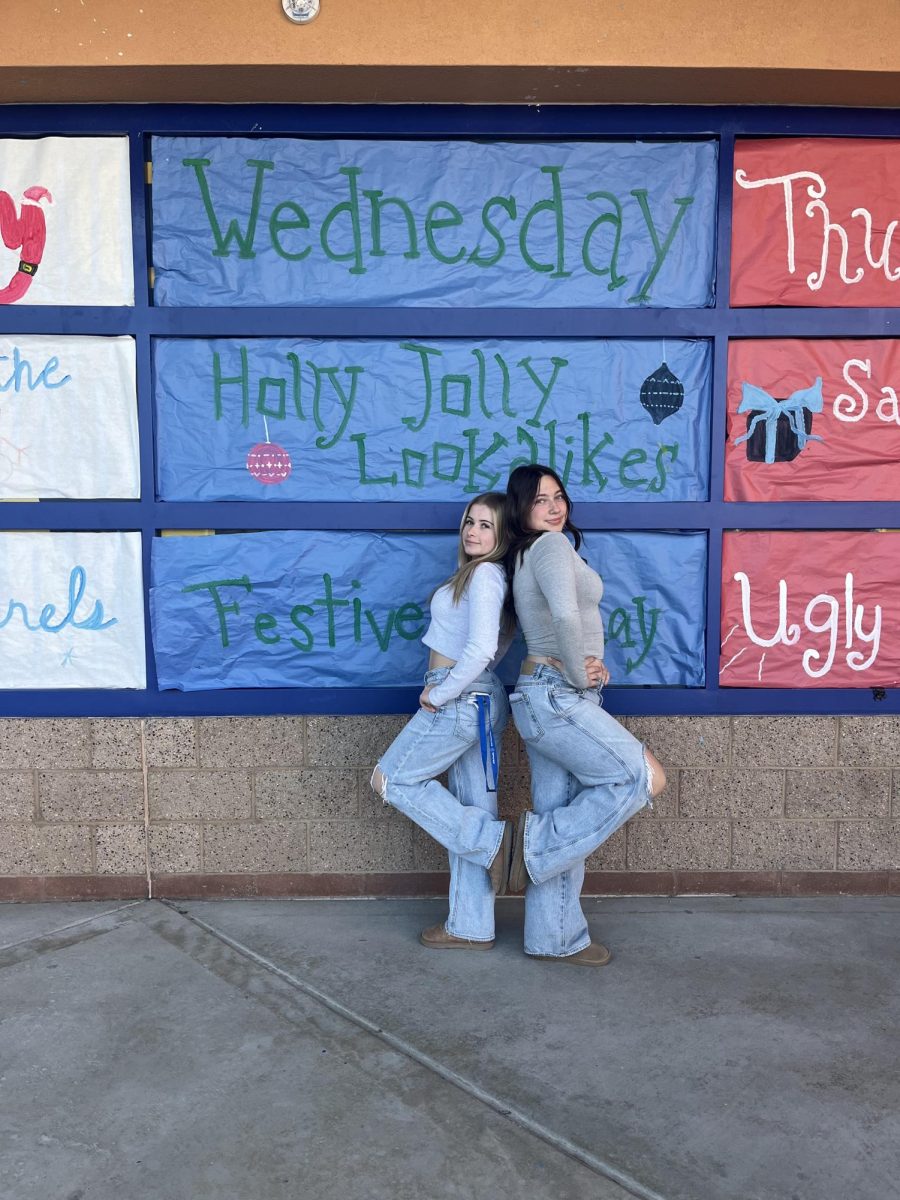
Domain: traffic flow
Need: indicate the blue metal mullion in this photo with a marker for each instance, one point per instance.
(718, 425)
(446, 121)
(142, 332)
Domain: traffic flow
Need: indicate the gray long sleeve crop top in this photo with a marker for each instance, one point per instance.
(557, 598)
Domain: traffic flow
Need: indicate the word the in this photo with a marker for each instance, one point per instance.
(45, 623)
(821, 616)
(854, 408)
(407, 621)
(352, 231)
(20, 374)
(826, 230)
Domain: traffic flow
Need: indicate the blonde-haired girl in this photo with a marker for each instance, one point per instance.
(463, 709)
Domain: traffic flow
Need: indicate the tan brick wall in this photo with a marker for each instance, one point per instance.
(748, 798)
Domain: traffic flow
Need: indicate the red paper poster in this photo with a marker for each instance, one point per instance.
(813, 420)
(810, 609)
(814, 222)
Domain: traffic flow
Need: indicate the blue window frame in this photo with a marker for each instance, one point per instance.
(718, 323)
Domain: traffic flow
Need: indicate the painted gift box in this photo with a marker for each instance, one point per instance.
(778, 430)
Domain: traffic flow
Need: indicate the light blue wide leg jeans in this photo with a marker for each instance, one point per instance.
(464, 818)
(588, 776)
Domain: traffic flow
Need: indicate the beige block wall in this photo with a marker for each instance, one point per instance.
(281, 806)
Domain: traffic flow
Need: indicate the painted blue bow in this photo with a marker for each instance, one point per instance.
(768, 409)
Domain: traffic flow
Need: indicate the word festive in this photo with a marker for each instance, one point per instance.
(406, 621)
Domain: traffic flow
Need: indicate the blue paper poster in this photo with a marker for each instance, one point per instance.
(286, 221)
(335, 610)
(363, 419)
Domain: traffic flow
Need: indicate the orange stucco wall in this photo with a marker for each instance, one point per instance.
(506, 50)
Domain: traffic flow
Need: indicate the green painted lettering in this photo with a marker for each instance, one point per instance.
(661, 249)
(263, 623)
(213, 586)
(277, 225)
(379, 202)
(544, 389)
(632, 458)
(308, 641)
(233, 232)
(608, 218)
(423, 352)
(554, 206)
(410, 613)
(659, 480)
(432, 222)
(219, 381)
(364, 477)
(351, 208)
(508, 204)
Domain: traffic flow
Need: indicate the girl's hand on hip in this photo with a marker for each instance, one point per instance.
(595, 669)
(425, 703)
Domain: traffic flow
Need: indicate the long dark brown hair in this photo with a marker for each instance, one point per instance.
(521, 489)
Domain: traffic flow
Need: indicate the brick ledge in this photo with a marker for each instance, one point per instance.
(33, 888)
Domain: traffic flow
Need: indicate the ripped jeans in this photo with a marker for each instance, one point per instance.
(588, 776)
(463, 819)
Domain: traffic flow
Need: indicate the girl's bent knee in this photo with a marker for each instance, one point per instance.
(378, 783)
(656, 776)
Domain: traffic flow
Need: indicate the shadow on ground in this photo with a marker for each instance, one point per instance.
(272, 1050)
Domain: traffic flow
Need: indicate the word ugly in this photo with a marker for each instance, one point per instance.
(822, 615)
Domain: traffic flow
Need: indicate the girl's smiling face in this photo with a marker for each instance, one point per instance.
(548, 509)
(479, 531)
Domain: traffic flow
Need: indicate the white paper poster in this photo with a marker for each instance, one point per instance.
(65, 221)
(71, 611)
(68, 418)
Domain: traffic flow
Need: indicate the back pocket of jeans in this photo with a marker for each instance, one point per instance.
(523, 715)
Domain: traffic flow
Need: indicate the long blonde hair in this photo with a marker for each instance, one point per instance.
(461, 578)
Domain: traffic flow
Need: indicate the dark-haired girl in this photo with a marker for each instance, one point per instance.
(588, 773)
(463, 710)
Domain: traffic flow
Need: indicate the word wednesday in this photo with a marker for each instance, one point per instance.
(353, 230)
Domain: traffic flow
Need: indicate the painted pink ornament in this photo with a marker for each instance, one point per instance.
(269, 463)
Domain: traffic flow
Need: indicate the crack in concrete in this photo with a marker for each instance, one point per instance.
(631, 1187)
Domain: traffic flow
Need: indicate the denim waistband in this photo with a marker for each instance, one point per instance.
(543, 673)
(483, 682)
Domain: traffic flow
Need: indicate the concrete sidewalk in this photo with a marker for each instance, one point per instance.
(279, 1050)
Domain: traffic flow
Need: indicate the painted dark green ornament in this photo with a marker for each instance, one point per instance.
(662, 394)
